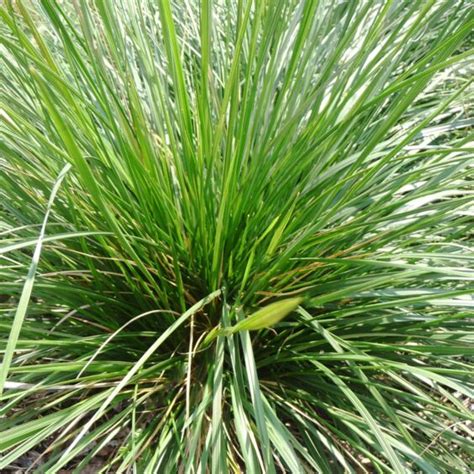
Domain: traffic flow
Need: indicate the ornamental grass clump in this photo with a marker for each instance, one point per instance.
(235, 236)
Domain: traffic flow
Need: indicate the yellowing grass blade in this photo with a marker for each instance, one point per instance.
(267, 316)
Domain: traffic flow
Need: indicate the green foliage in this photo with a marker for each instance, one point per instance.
(300, 169)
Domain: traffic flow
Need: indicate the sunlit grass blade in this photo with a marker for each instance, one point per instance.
(262, 260)
(22, 306)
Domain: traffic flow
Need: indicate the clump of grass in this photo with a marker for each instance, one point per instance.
(259, 258)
